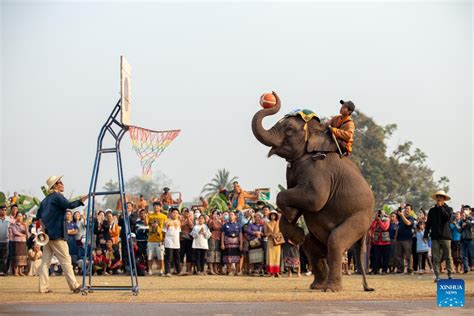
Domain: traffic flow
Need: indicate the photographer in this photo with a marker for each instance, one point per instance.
(437, 227)
(381, 241)
(467, 244)
(455, 226)
(404, 237)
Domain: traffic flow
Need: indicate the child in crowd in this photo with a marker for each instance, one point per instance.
(114, 263)
(100, 262)
(55, 268)
(34, 255)
(422, 248)
(200, 234)
(172, 245)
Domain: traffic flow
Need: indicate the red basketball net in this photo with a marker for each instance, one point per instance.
(149, 145)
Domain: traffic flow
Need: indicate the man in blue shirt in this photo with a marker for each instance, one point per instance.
(4, 225)
(52, 218)
(406, 223)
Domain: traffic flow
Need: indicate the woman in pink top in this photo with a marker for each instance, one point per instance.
(379, 230)
(214, 253)
(19, 234)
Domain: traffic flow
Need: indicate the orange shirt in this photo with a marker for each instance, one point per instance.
(166, 199)
(114, 231)
(343, 128)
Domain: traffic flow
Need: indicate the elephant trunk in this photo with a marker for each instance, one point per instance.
(267, 137)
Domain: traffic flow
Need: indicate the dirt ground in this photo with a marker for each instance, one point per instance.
(155, 289)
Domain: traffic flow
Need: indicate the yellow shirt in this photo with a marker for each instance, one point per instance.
(155, 234)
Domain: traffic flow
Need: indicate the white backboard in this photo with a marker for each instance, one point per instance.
(125, 91)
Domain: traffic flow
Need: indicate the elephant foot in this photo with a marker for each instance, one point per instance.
(317, 285)
(332, 287)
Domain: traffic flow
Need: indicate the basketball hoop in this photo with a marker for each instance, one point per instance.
(149, 145)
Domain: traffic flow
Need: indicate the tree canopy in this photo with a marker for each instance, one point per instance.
(399, 176)
(222, 180)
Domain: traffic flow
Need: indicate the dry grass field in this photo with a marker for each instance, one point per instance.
(227, 289)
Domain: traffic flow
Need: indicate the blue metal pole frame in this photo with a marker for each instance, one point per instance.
(107, 128)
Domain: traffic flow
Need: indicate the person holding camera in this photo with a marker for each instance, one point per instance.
(467, 244)
(455, 226)
(381, 241)
(437, 227)
(406, 224)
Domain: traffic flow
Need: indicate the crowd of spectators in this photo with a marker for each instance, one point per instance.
(406, 242)
(200, 241)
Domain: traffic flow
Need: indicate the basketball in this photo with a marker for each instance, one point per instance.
(267, 100)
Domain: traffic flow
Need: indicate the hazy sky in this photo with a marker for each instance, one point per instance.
(202, 66)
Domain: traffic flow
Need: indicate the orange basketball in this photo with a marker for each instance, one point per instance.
(267, 100)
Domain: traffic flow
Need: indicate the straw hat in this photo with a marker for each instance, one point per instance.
(52, 181)
(274, 212)
(442, 193)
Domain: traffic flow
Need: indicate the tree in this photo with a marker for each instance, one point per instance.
(219, 201)
(401, 176)
(110, 201)
(221, 180)
(150, 188)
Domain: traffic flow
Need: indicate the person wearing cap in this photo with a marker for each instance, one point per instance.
(51, 215)
(437, 227)
(343, 127)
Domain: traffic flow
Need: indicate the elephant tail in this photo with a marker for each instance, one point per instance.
(360, 253)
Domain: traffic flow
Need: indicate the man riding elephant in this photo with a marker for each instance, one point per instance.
(330, 193)
(343, 127)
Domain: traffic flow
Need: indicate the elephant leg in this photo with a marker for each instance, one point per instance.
(340, 239)
(293, 201)
(292, 231)
(289, 204)
(316, 252)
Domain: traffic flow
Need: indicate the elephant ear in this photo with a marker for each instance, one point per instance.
(318, 139)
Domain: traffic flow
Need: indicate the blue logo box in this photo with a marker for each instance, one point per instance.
(450, 293)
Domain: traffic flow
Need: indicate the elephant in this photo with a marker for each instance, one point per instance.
(327, 189)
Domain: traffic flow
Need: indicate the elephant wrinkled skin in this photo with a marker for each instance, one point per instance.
(329, 192)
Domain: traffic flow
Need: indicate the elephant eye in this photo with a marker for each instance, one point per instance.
(289, 131)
